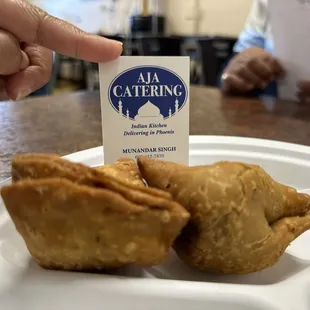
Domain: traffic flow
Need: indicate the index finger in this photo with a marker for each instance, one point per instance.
(261, 69)
(278, 68)
(32, 25)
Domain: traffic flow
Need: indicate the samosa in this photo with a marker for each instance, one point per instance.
(73, 217)
(241, 219)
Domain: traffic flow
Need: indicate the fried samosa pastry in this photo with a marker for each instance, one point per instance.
(92, 223)
(124, 168)
(36, 166)
(241, 219)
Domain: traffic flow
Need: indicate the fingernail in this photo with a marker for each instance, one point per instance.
(24, 61)
(118, 42)
(22, 94)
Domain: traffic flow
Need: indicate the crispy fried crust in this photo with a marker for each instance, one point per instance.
(124, 168)
(91, 222)
(241, 219)
(38, 166)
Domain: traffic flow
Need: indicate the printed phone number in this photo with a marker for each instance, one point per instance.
(152, 155)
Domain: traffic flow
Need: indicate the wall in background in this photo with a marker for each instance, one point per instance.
(185, 17)
(220, 17)
(90, 15)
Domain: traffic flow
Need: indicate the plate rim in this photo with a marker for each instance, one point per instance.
(200, 140)
(197, 142)
(247, 141)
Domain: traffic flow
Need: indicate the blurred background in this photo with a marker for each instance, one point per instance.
(205, 30)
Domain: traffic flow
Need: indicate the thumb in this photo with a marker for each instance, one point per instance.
(34, 76)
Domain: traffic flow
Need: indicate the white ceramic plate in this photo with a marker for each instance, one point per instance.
(286, 286)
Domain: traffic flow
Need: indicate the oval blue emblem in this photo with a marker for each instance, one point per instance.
(144, 92)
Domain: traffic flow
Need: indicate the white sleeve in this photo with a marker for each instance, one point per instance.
(258, 17)
(254, 32)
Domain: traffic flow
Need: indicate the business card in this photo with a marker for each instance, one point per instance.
(145, 108)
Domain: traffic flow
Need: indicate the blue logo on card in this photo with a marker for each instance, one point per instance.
(148, 92)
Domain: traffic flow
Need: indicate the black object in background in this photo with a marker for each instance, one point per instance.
(160, 46)
(147, 25)
(214, 53)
